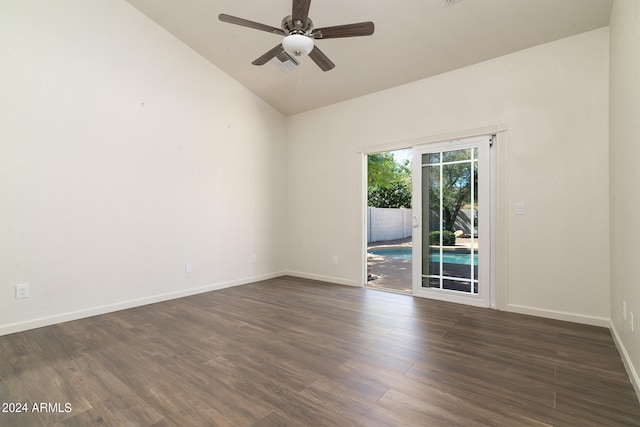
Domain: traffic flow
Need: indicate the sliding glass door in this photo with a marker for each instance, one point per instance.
(452, 221)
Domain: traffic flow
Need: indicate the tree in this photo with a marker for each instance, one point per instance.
(396, 195)
(381, 169)
(389, 182)
(456, 189)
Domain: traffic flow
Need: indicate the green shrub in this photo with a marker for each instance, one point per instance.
(448, 238)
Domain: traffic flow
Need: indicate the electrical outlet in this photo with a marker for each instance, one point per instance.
(624, 310)
(187, 268)
(335, 260)
(22, 291)
(254, 258)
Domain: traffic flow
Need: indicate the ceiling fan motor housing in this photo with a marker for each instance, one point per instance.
(297, 27)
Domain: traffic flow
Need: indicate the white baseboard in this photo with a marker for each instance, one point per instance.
(559, 315)
(626, 359)
(336, 280)
(109, 308)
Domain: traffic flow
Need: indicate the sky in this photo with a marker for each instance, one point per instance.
(401, 155)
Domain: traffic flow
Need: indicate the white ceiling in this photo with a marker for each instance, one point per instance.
(413, 39)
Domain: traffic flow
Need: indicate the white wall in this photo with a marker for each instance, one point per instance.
(553, 99)
(123, 156)
(625, 176)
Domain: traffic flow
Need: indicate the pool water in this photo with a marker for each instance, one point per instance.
(399, 253)
(447, 256)
(454, 258)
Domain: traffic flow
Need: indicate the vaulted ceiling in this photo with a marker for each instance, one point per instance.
(413, 39)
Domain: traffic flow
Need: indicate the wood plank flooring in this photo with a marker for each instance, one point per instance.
(295, 352)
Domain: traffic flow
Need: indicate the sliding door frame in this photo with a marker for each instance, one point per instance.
(486, 294)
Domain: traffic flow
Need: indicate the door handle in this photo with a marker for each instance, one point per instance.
(415, 220)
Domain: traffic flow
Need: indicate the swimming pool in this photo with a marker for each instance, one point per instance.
(450, 257)
(399, 253)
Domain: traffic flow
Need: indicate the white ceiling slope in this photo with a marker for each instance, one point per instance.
(413, 39)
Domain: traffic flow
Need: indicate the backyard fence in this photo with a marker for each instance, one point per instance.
(393, 224)
(388, 224)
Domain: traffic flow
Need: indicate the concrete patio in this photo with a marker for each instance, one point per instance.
(386, 272)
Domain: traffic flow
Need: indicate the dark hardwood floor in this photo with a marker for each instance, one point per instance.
(296, 352)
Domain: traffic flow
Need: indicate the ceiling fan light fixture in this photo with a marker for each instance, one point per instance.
(299, 34)
(298, 44)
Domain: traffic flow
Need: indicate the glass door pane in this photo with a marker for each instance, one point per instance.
(452, 180)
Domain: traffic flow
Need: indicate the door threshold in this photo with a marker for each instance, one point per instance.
(392, 290)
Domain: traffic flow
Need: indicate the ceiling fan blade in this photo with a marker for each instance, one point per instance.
(321, 59)
(269, 55)
(246, 23)
(349, 30)
(300, 10)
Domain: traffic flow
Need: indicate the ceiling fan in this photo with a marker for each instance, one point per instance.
(299, 34)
